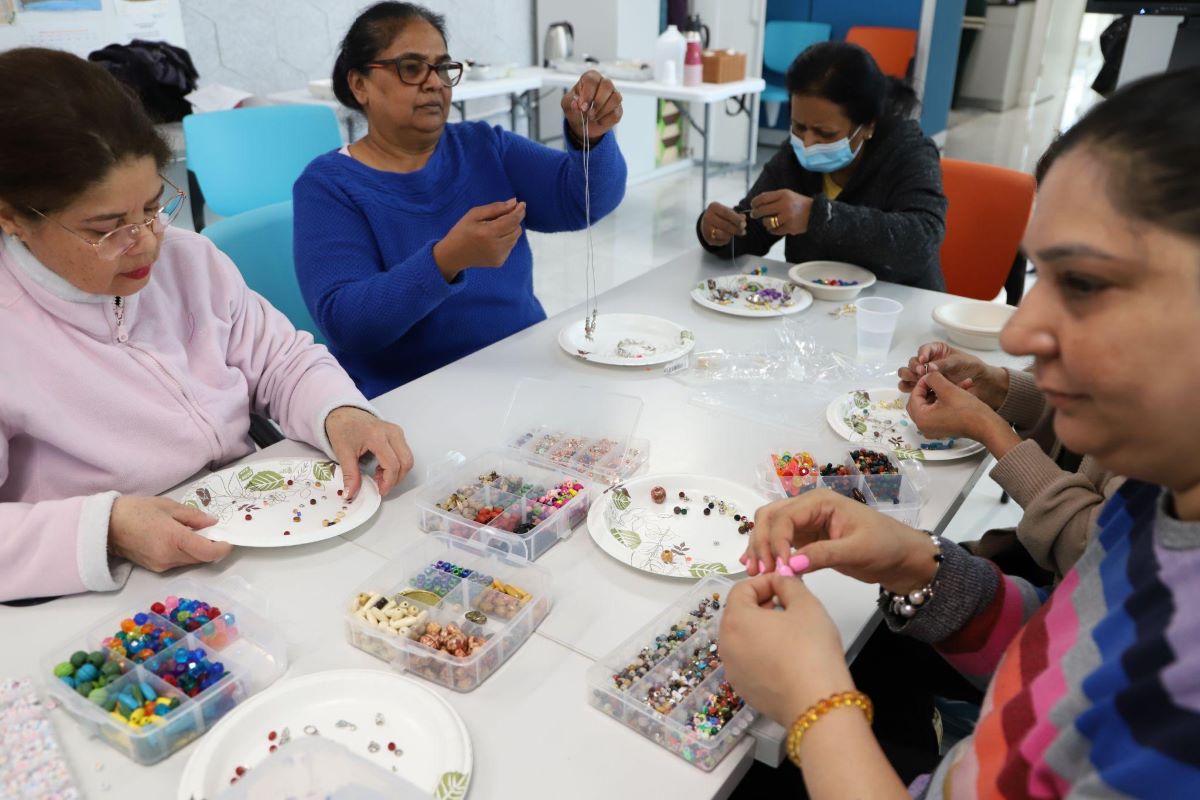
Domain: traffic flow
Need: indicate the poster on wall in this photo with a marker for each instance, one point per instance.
(8, 12)
(142, 8)
(60, 5)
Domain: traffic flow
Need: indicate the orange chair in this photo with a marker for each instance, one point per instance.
(892, 48)
(989, 209)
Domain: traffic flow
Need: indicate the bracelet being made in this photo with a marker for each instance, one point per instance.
(907, 605)
(821, 708)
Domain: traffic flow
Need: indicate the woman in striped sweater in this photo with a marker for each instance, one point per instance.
(1093, 690)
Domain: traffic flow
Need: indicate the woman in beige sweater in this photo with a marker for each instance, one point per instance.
(957, 394)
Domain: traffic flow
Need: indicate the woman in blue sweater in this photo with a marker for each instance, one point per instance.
(409, 246)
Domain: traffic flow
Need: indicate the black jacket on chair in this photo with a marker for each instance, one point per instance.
(890, 217)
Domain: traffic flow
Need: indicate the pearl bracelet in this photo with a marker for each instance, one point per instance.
(907, 605)
(820, 709)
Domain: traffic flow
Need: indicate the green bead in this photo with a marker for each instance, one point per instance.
(78, 659)
(96, 659)
(64, 670)
(137, 693)
(110, 704)
(98, 696)
(112, 669)
(85, 688)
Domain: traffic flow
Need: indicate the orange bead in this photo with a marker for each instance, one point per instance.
(128, 625)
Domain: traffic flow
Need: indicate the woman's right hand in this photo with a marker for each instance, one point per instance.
(721, 223)
(160, 534)
(482, 238)
(831, 531)
(988, 383)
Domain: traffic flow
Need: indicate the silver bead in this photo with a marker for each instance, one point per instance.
(918, 597)
(907, 610)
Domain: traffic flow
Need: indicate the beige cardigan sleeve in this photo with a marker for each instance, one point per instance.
(1061, 507)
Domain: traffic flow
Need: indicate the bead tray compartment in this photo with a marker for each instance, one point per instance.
(505, 634)
(253, 652)
(670, 730)
(895, 495)
(601, 459)
(555, 523)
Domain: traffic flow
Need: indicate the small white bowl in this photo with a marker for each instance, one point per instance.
(807, 273)
(976, 325)
(322, 89)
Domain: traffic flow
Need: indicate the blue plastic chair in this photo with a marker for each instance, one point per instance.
(260, 242)
(250, 157)
(782, 42)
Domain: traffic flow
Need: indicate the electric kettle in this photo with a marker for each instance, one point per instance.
(559, 44)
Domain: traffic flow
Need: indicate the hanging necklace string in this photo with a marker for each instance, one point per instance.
(590, 308)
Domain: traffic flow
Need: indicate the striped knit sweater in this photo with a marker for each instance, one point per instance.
(1094, 690)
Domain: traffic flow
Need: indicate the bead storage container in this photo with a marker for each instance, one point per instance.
(493, 599)
(897, 494)
(526, 496)
(704, 724)
(169, 669)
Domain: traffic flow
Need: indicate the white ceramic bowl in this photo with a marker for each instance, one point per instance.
(973, 324)
(806, 275)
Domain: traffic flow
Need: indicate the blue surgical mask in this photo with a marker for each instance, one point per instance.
(825, 156)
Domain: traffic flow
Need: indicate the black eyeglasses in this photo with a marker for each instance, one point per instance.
(414, 71)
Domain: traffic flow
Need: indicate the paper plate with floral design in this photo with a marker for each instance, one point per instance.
(877, 418)
(392, 720)
(751, 296)
(281, 502)
(627, 340)
(632, 528)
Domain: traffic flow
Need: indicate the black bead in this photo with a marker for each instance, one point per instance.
(707, 511)
(737, 517)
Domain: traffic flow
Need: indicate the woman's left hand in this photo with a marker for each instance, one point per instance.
(941, 409)
(354, 433)
(595, 95)
(782, 211)
(781, 661)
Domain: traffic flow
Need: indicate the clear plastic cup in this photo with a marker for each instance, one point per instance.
(876, 320)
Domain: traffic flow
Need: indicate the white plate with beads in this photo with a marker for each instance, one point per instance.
(391, 720)
(628, 340)
(877, 417)
(629, 526)
(280, 502)
(751, 296)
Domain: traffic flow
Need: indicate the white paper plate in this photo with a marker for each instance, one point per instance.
(436, 746)
(806, 275)
(744, 285)
(652, 538)
(270, 492)
(867, 417)
(642, 339)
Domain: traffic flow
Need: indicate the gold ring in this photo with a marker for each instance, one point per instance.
(773, 221)
(714, 234)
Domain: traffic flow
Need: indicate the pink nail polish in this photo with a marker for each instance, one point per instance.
(745, 559)
(762, 566)
(799, 563)
(785, 571)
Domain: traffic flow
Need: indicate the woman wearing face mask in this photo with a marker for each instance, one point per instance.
(131, 353)
(409, 245)
(857, 181)
(1093, 689)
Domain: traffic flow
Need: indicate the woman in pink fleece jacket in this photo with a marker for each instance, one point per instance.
(132, 354)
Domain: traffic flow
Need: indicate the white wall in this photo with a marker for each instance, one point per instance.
(266, 46)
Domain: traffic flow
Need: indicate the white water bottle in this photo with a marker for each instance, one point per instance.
(670, 47)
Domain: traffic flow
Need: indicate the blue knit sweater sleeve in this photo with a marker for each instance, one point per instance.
(358, 302)
(551, 181)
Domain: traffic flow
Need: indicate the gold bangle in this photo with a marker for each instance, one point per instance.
(820, 709)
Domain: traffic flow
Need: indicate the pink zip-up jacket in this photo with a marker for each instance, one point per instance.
(100, 397)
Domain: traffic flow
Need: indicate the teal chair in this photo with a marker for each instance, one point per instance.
(250, 157)
(783, 40)
(260, 242)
